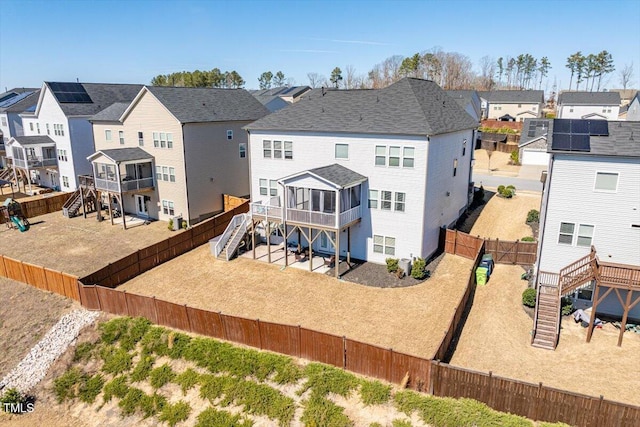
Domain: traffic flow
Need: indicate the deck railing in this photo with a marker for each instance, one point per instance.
(35, 162)
(350, 215)
(260, 210)
(303, 216)
(311, 217)
(134, 184)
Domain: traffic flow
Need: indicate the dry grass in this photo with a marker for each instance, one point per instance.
(499, 162)
(505, 218)
(496, 337)
(76, 245)
(410, 320)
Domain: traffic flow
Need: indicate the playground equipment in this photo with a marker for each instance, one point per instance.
(12, 214)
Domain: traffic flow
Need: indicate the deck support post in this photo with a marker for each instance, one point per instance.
(623, 324)
(286, 245)
(268, 233)
(310, 240)
(253, 238)
(337, 260)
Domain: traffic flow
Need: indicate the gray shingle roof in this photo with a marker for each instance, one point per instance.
(543, 127)
(589, 98)
(33, 140)
(112, 113)
(125, 154)
(102, 95)
(513, 96)
(339, 175)
(24, 104)
(408, 107)
(193, 105)
(623, 141)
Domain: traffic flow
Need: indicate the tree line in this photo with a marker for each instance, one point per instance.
(197, 78)
(590, 68)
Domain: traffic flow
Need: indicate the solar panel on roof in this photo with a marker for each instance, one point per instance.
(580, 142)
(598, 128)
(532, 132)
(70, 92)
(561, 141)
(562, 126)
(9, 96)
(580, 126)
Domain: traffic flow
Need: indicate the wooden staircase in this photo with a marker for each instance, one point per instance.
(229, 241)
(6, 174)
(85, 193)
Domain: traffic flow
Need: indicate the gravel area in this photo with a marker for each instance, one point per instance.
(34, 366)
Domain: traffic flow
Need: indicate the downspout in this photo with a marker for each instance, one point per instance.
(186, 179)
(426, 183)
(543, 218)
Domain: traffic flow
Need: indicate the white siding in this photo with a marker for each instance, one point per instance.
(512, 109)
(579, 111)
(572, 198)
(633, 114)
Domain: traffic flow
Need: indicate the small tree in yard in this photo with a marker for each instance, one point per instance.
(533, 216)
(529, 297)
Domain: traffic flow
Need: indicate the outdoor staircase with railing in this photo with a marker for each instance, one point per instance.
(6, 174)
(85, 193)
(229, 241)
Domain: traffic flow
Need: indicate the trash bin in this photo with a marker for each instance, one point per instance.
(488, 265)
(481, 276)
(489, 258)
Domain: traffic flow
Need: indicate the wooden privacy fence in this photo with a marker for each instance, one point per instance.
(132, 265)
(503, 251)
(452, 333)
(44, 205)
(297, 341)
(232, 202)
(40, 277)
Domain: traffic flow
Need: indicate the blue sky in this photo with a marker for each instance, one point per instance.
(132, 41)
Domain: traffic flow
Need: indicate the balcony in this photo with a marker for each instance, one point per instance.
(34, 162)
(266, 211)
(109, 184)
(305, 217)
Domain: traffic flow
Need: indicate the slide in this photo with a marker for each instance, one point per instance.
(22, 226)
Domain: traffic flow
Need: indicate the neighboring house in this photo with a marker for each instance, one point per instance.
(591, 199)
(370, 174)
(512, 105)
(11, 121)
(8, 125)
(62, 113)
(633, 112)
(533, 142)
(34, 157)
(589, 105)
(277, 98)
(469, 100)
(174, 151)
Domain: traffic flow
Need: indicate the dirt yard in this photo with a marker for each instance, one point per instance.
(76, 245)
(496, 337)
(505, 218)
(410, 320)
(499, 163)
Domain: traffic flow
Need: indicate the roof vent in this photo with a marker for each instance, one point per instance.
(323, 91)
(377, 98)
(203, 104)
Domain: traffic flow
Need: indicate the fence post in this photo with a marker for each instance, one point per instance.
(536, 407)
(186, 309)
(389, 365)
(224, 325)
(259, 333)
(455, 242)
(299, 341)
(344, 352)
(491, 391)
(126, 303)
(597, 417)
(515, 259)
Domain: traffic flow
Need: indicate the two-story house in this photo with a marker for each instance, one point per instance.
(369, 174)
(11, 124)
(469, 100)
(512, 105)
(589, 105)
(174, 150)
(589, 240)
(62, 114)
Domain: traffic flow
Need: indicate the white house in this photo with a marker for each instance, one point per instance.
(62, 114)
(10, 123)
(174, 151)
(633, 111)
(589, 105)
(533, 142)
(382, 169)
(512, 105)
(592, 198)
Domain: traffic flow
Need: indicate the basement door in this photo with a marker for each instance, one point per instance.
(141, 206)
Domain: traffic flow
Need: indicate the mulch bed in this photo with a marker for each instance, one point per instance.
(376, 275)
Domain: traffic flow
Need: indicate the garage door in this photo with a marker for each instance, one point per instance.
(534, 157)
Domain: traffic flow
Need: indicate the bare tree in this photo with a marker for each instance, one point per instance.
(487, 71)
(350, 77)
(626, 75)
(316, 80)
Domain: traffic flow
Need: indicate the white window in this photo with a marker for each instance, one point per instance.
(58, 129)
(277, 149)
(107, 134)
(158, 173)
(38, 128)
(381, 155)
(373, 199)
(264, 190)
(163, 140)
(288, 150)
(571, 109)
(495, 107)
(585, 235)
(62, 155)
(121, 137)
(266, 149)
(172, 174)
(140, 139)
(394, 156)
(229, 134)
(566, 233)
(385, 200)
(342, 151)
(606, 181)
(165, 173)
(455, 166)
(169, 140)
(400, 202)
(31, 127)
(65, 181)
(48, 130)
(408, 154)
(273, 187)
(156, 139)
(384, 244)
(243, 149)
(167, 207)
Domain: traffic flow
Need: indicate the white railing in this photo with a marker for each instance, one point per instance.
(35, 162)
(107, 184)
(349, 216)
(237, 237)
(137, 184)
(311, 217)
(236, 221)
(267, 211)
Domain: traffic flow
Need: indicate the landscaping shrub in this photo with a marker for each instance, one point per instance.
(83, 351)
(324, 379)
(214, 417)
(14, 402)
(116, 359)
(64, 386)
(91, 388)
(130, 403)
(374, 392)
(567, 306)
(173, 414)
(320, 411)
(260, 399)
(375, 425)
(170, 224)
(187, 380)
(142, 368)
(116, 387)
(506, 192)
(151, 405)
(528, 239)
(112, 330)
(515, 157)
(533, 216)
(161, 376)
(136, 328)
(418, 269)
(392, 265)
(401, 423)
(212, 387)
(529, 297)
